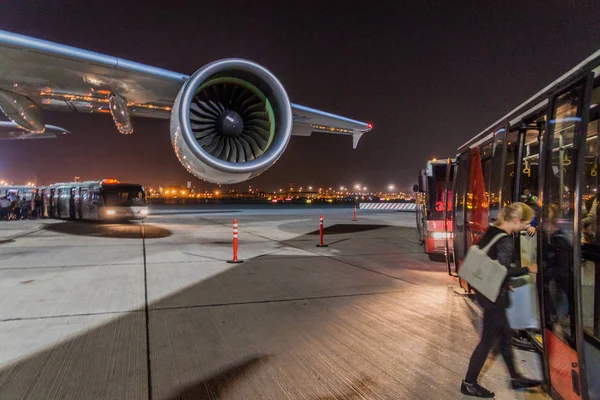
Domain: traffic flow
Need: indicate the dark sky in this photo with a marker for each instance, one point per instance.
(428, 75)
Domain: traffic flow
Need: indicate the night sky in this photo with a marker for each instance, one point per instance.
(428, 75)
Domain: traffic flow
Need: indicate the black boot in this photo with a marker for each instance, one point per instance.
(521, 382)
(474, 389)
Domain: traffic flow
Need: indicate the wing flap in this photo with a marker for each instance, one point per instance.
(308, 120)
(65, 78)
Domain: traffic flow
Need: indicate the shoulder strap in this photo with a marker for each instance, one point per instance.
(493, 241)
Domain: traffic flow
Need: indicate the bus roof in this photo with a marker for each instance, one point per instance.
(530, 105)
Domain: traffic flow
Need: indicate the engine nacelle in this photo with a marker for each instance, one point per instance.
(231, 121)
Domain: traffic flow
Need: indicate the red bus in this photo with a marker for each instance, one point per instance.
(434, 208)
(546, 153)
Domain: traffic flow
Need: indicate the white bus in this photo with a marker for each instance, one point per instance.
(103, 200)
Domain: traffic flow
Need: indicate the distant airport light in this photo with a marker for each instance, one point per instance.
(391, 187)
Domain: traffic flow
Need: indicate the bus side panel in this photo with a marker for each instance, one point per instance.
(563, 366)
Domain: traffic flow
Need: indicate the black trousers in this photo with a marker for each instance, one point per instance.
(495, 329)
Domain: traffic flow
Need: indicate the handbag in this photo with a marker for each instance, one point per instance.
(523, 312)
(483, 273)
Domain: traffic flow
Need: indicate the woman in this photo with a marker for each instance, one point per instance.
(513, 218)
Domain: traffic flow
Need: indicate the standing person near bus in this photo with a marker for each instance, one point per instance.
(4, 208)
(25, 205)
(39, 205)
(17, 208)
(512, 219)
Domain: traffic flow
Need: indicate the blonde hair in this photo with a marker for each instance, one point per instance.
(518, 210)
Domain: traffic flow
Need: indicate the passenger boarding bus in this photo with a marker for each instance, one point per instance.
(433, 211)
(546, 153)
(103, 200)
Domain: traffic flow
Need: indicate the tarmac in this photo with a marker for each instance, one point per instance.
(153, 310)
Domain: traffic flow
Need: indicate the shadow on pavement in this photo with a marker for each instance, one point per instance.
(215, 386)
(339, 229)
(304, 327)
(118, 231)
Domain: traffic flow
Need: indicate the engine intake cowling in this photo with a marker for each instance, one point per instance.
(231, 121)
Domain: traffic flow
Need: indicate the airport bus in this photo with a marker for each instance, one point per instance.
(103, 200)
(434, 206)
(545, 153)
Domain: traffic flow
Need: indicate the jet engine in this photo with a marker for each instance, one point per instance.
(231, 121)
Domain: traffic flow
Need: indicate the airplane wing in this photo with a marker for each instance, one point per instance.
(12, 131)
(40, 75)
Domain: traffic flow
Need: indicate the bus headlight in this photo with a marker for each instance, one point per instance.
(144, 211)
(110, 212)
(442, 235)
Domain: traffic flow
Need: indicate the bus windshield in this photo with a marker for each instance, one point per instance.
(436, 197)
(123, 195)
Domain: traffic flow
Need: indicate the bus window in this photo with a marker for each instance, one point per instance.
(123, 196)
(512, 149)
(486, 165)
(531, 162)
(436, 192)
(477, 213)
(462, 176)
(495, 175)
(532, 130)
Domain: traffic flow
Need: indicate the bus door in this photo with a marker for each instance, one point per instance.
(435, 240)
(479, 174)
(82, 205)
(58, 202)
(589, 283)
(448, 220)
(420, 212)
(561, 269)
(460, 184)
